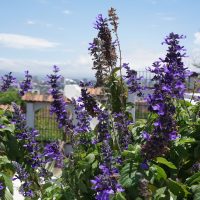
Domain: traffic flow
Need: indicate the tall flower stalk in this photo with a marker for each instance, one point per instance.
(7, 81)
(170, 75)
(103, 51)
(59, 105)
(25, 85)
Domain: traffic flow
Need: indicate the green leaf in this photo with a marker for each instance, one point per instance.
(8, 182)
(90, 158)
(196, 192)
(159, 172)
(177, 188)
(116, 69)
(186, 140)
(160, 193)
(119, 196)
(193, 179)
(4, 160)
(82, 186)
(9, 127)
(128, 176)
(165, 162)
(8, 195)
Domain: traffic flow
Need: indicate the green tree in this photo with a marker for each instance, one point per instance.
(10, 96)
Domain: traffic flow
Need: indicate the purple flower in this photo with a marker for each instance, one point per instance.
(99, 22)
(1, 186)
(7, 81)
(87, 100)
(103, 126)
(106, 184)
(170, 76)
(25, 85)
(27, 138)
(59, 105)
(145, 135)
(121, 125)
(196, 167)
(144, 165)
(132, 81)
(52, 152)
(82, 128)
(103, 51)
(25, 190)
(25, 178)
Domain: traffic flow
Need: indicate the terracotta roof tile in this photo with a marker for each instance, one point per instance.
(6, 107)
(39, 98)
(95, 91)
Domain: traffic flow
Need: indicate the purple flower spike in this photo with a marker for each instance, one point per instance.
(25, 85)
(59, 105)
(1, 186)
(7, 81)
(132, 80)
(170, 76)
(52, 152)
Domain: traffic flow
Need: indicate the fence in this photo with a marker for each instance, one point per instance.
(47, 125)
(141, 110)
(148, 83)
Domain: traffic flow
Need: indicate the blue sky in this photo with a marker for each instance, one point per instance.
(36, 34)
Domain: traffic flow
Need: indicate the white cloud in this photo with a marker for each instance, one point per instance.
(61, 28)
(142, 58)
(168, 18)
(24, 42)
(84, 60)
(197, 38)
(78, 68)
(48, 25)
(30, 22)
(165, 16)
(66, 12)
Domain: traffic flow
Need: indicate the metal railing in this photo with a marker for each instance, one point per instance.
(47, 126)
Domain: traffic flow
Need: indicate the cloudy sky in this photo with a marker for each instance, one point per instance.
(36, 34)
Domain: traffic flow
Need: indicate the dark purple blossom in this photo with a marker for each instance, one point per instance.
(59, 105)
(82, 128)
(25, 178)
(52, 153)
(7, 81)
(144, 165)
(106, 183)
(27, 138)
(25, 85)
(99, 22)
(121, 125)
(103, 51)
(196, 167)
(143, 189)
(2, 126)
(87, 100)
(82, 116)
(132, 80)
(145, 135)
(25, 190)
(103, 126)
(1, 186)
(170, 76)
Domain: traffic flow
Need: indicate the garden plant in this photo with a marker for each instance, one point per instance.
(152, 159)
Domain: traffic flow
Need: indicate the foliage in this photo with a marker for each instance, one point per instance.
(10, 96)
(151, 159)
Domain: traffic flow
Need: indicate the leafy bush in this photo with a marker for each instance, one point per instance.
(153, 158)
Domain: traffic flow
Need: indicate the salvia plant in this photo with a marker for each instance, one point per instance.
(118, 159)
